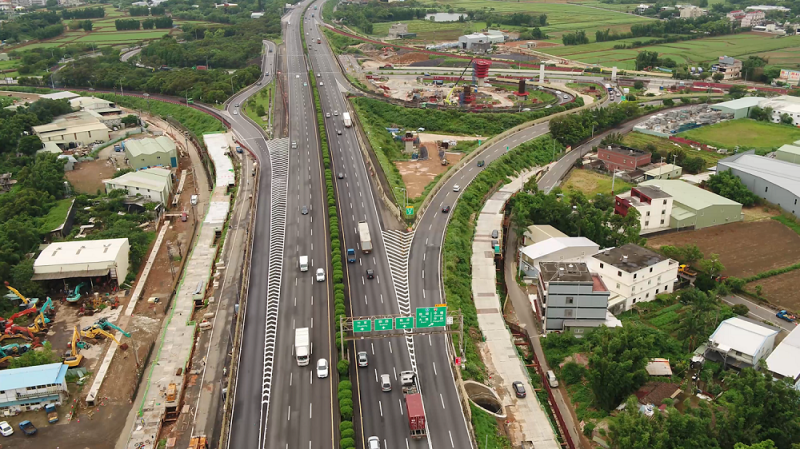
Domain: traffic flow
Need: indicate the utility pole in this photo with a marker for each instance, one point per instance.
(613, 178)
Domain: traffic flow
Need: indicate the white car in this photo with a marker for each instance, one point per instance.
(320, 275)
(456, 188)
(322, 368)
(320, 83)
(336, 113)
(5, 429)
(374, 443)
(297, 76)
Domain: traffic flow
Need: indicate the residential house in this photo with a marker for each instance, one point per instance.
(653, 204)
(691, 12)
(557, 249)
(728, 66)
(570, 297)
(31, 388)
(784, 362)
(633, 274)
(618, 157)
(154, 184)
(694, 207)
(740, 343)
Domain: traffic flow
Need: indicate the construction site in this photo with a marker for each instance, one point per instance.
(104, 308)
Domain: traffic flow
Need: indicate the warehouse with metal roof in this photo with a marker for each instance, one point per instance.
(776, 181)
(789, 153)
(693, 207)
(154, 184)
(151, 152)
(83, 258)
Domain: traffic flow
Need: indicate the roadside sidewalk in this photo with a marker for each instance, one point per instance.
(527, 319)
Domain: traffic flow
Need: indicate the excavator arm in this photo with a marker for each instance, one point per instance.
(16, 292)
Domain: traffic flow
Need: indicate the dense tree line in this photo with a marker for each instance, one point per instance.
(645, 59)
(712, 24)
(573, 128)
(85, 13)
(533, 33)
(139, 11)
(594, 220)
(157, 22)
(216, 50)
(107, 72)
(730, 186)
(515, 19)
(36, 25)
(85, 25)
(577, 38)
(240, 14)
(127, 24)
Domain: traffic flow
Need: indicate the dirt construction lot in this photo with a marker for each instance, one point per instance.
(418, 174)
(780, 290)
(745, 249)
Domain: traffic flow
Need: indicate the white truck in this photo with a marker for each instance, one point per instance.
(363, 235)
(302, 346)
(303, 263)
(347, 122)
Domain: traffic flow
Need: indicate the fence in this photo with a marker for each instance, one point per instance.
(690, 142)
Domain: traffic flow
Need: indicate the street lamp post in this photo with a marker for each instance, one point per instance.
(405, 195)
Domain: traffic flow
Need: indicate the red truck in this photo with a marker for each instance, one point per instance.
(414, 409)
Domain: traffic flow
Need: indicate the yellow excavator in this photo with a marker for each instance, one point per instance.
(13, 290)
(39, 324)
(94, 332)
(73, 358)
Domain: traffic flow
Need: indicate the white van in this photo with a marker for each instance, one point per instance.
(303, 263)
(194, 200)
(551, 379)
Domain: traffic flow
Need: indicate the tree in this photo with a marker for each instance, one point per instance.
(730, 186)
(35, 358)
(712, 266)
(740, 309)
(718, 77)
(767, 444)
(737, 91)
(260, 110)
(761, 114)
(787, 119)
(638, 85)
(29, 145)
(130, 120)
(45, 174)
(694, 164)
(668, 102)
(87, 25)
(686, 254)
(617, 363)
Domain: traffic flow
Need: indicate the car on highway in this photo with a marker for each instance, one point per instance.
(5, 429)
(304, 210)
(519, 389)
(456, 188)
(305, 84)
(339, 132)
(237, 105)
(386, 383)
(297, 76)
(322, 368)
(446, 209)
(336, 113)
(362, 359)
(259, 83)
(481, 163)
(374, 443)
(235, 112)
(320, 83)
(370, 273)
(340, 175)
(495, 234)
(327, 115)
(320, 275)
(319, 75)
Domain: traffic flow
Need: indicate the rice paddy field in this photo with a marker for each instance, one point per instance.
(783, 49)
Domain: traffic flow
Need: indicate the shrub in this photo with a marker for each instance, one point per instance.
(588, 429)
(346, 412)
(572, 373)
(343, 366)
(349, 433)
(347, 443)
(740, 309)
(345, 394)
(345, 425)
(345, 385)
(347, 402)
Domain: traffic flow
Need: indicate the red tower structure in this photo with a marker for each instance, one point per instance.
(481, 70)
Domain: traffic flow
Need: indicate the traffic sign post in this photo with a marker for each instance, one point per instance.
(431, 316)
(362, 326)
(383, 324)
(410, 210)
(404, 322)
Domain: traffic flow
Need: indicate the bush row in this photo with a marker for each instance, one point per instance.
(345, 388)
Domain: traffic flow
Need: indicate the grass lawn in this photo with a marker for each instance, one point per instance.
(260, 98)
(427, 30)
(591, 183)
(744, 132)
(56, 216)
(664, 145)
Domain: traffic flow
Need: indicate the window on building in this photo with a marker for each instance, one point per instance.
(766, 189)
(662, 221)
(656, 291)
(739, 353)
(569, 313)
(665, 201)
(634, 300)
(649, 282)
(634, 275)
(619, 273)
(651, 269)
(570, 300)
(617, 284)
(795, 201)
(647, 296)
(648, 214)
(601, 265)
(646, 223)
(664, 212)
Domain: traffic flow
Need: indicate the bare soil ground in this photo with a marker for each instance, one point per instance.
(88, 176)
(780, 290)
(759, 213)
(418, 174)
(744, 248)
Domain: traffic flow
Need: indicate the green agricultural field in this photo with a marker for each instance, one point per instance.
(591, 183)
(785, 49)
(744, 132)
(664, 145)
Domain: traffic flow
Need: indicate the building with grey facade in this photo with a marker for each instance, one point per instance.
(696, 208)
(776, 181)
(570, 297)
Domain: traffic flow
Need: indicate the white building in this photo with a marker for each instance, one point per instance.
(63, 95)
(752, 18)
(784, 104)
(154, 184)
(539, 233)
(557, 249)
(741, 343)
(83, 258)
(654, 206)
(642, 8)
(768, 8)
(475, 40)
(31, 388)
(691, 12)
(80, 128)
(784, 362)
(633, 274)
(256, 15)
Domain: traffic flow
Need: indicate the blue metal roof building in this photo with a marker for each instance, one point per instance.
(24, 389)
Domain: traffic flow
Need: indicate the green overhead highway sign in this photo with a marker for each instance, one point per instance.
(362, 326)
(383, 324)
(431, 316)
(404, 322)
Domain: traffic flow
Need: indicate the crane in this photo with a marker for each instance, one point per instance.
(26, 301)
(469, 64)
(72, 358)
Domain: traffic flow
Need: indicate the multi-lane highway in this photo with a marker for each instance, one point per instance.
(382, 413)
(279, 404)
